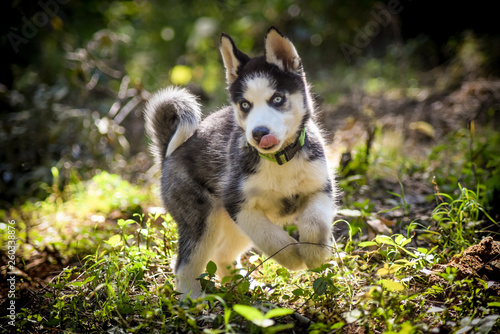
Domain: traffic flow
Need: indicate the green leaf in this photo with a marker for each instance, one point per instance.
(252, 314)
(226, 279)
(406, 328)
(394, 194)
(122, 222)
(391, 285)
(422, 250)
(283, 272)
(114, 241)
(320, 285)
(279, 328)
(207, 286)
(278, 312)
(338, 325)
(211, 268)
(383, 239)
(248, 312)
(386, 270)
(367, 244)
(402, 240)
(243, 286)
(111, 291)
(89, 279)
(55, 173)
(227, 315)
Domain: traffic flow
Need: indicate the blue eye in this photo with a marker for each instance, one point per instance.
(245, 105)
(278, 100)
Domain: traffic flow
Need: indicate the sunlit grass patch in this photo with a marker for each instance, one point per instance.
(395, 279)
(75, 218)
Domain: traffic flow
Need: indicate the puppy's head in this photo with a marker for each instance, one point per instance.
(269, 93)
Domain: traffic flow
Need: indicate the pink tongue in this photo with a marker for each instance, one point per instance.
(268, 141)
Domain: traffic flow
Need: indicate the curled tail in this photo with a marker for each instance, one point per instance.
(172, 115)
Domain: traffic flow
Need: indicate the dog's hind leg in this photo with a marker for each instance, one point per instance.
(192, 207)
(195, 250)
(190, 265)
(221, 240)
(232, 243)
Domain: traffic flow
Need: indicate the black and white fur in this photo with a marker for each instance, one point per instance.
(224, 197)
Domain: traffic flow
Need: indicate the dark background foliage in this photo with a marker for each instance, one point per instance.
(74, 74)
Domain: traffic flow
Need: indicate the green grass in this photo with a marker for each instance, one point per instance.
(120, 278)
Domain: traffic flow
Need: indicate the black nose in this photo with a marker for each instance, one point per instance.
(259, 132)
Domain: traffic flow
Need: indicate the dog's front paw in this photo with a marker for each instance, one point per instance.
(291, 258)
(315, 254)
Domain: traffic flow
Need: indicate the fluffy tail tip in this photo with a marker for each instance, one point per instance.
(172, 115)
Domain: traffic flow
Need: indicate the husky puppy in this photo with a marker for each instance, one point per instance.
(233, 180)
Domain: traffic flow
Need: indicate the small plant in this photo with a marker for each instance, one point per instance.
(473, 160)
(457, 220)
(403, 200)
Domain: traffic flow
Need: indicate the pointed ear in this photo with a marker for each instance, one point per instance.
(281, 52)
(233, 58)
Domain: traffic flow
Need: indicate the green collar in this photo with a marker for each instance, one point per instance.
(287, 154)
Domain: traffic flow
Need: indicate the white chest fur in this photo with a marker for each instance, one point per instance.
(266, 189)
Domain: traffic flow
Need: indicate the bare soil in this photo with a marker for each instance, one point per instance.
(481, 261)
